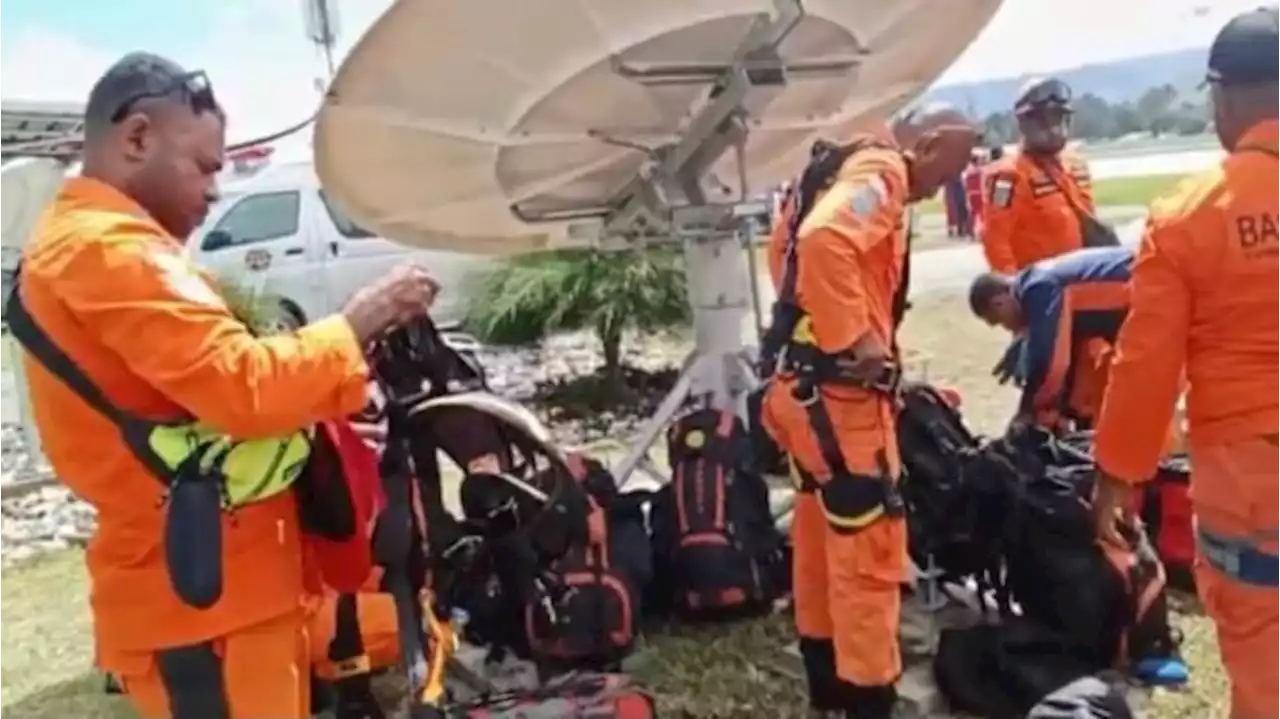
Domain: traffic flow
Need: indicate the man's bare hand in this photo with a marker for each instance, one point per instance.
(1113, 507)
(400, 296)
(868, 359)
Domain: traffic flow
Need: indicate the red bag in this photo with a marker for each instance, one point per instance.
(340, 495)
(1165, 508)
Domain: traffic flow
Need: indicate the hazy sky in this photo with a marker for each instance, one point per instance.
(263, 69)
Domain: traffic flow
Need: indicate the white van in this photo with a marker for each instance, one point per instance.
(277, 235)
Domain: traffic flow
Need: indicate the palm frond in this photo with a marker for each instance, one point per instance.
(534, 295)
(254, 307)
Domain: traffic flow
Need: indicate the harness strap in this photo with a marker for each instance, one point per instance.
(397, 546)
(194, 681)
(351, 664)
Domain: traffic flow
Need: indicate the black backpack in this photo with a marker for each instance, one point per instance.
(717, 552)
(584, 610)
(948, 502)
(1006, 670)
(1110, 602)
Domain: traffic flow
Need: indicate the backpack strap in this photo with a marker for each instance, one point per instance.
(1093, 233)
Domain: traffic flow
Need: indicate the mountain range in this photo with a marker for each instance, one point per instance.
(1114, 81)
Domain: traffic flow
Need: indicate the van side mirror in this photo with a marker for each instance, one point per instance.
(216, 240)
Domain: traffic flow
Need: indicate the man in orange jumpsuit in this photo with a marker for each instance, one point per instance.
(972, 179)
(1039, 199)
(1069, 309)
(1204, 302)
(838, 254)
(1037, 195)
(106, 279)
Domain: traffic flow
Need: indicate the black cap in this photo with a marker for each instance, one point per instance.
(134, 76)
(1247, 49)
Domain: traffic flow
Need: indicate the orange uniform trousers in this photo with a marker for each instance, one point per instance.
(847, 584)
(1234, 492)
(266, 668)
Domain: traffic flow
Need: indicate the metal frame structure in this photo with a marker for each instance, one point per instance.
(667, 200)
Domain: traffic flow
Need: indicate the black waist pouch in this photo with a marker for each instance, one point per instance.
(193, 534)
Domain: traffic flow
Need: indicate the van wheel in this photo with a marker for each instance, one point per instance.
(287, 318)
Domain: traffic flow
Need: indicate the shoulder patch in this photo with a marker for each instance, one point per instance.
(1002, 191)
(868, 197)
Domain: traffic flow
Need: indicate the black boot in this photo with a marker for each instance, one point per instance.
(819, 657)
(863, 702)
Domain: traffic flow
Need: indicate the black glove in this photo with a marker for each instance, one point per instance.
(1021, 428)
(1010, 365)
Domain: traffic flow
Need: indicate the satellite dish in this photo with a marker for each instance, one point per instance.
(507, 126)
(27, 186)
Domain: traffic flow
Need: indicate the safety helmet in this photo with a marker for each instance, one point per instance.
(1043, 92)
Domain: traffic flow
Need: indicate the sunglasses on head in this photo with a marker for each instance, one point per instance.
(1053, 92)
(193, 86)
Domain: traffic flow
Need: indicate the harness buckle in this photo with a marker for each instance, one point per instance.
(806, 394)
(889, 380)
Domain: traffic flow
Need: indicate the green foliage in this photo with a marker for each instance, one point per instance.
(532, 296)
(1161, 110)
(257, 309)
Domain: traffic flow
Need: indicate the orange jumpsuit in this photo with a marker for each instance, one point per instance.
(1026, 217)
(116, 293)
(1204, 302)
(847, 583)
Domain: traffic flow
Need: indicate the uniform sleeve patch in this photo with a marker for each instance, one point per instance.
(867, 198)
(1002, 192)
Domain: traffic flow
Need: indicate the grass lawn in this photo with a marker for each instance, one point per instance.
(735, 670)
(1115, 191)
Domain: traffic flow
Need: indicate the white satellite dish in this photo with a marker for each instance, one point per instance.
(450, 121)
(27, 186)
(509, 126)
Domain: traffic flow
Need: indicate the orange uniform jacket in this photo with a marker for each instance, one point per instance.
(1203, 298)
(117, 294)
(850, 264)
(1030, 212)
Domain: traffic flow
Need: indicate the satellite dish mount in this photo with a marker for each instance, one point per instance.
(668, 201)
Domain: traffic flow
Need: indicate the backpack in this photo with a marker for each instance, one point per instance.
(584, 696)
(1086, 698)
(1109, 602)
(584, 609)
(1166, 512)
(945, 504)
(716, 550)
(1164, 505)
(1001, 671)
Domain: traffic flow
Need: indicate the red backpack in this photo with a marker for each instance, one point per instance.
(1165, 508)
(344, 470)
